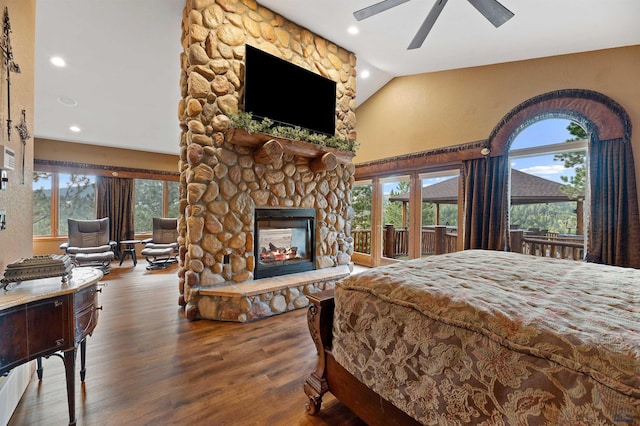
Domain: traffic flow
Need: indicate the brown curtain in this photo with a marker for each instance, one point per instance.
(614, 222)
(485, 208)
(115, 201)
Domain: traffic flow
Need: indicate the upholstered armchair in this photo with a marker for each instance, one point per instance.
(161, 250)
(89, 243)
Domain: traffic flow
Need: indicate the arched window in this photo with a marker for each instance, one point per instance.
(614, 222)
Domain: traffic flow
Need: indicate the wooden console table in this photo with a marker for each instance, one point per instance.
(44, 317)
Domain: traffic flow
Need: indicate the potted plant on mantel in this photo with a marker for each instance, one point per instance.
(272, 141)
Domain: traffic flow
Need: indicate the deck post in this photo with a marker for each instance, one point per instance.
(389, 243)
(440, 239)
(515, 237)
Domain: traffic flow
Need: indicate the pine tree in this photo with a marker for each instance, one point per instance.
(574, 185)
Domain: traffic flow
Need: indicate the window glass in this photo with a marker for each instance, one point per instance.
(440, 198)
(174, 198)
(439, 207)
(148, 204)
(76, 199)
(395, 217)
(64, 196)
(548, 189)
(361, 223)
(42, 182)
(548, 184)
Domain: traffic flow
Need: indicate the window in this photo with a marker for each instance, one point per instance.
(548, 182)
(440, 198)
(76, 199)
(395, 217)
(42, 184)
(154, 198)
(59, 196)
(550, 151)
(361, 224)
(173, 199)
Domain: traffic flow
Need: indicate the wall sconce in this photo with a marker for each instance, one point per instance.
(485, 151)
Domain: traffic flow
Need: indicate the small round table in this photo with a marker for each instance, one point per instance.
(128, 248)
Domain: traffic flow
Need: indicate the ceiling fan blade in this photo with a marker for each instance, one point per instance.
(496, 13)
(376, 8)
(426, 26)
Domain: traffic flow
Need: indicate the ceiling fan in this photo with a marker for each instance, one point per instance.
(495, 12)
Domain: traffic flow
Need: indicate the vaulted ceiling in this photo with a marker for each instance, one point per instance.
(123, 56)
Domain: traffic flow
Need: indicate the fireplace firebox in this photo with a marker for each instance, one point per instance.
(284, 241)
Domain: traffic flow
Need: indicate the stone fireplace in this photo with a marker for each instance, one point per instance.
(226, 178)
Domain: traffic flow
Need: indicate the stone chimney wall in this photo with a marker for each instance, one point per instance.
(220, 183)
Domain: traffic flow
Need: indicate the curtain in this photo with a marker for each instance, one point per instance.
(485, 203)
(614, 223)
(115, 201)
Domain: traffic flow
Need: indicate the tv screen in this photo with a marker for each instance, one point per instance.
(288, 94)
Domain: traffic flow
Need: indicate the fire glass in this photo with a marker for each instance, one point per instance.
(284, 241)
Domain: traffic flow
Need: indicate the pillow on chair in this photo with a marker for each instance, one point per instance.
(88, 233)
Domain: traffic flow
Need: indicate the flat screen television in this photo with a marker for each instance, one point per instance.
(287, 93)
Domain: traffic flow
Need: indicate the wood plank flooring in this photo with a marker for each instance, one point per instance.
(146, 364)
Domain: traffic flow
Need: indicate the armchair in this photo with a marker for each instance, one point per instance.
(89, 243)
(161, 250)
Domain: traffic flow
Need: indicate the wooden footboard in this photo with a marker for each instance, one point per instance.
(331, 376)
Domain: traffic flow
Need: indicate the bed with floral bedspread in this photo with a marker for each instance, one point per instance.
(487, 337)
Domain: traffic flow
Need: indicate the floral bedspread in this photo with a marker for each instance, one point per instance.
(493, 338)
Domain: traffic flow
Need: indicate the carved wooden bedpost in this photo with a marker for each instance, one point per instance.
(320, 319)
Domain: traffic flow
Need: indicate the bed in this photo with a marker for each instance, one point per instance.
(481, 337)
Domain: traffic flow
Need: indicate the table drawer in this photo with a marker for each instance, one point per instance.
(48, 325)
(13, 337)
(85, 298)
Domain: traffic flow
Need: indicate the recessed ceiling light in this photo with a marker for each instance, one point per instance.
(66, 100)
(353, 30)
(365, 74)
(58, 61)
(74, 129)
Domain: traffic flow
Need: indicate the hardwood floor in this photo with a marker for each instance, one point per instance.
(146, 364)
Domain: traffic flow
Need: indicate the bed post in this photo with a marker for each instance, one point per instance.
(320, 321)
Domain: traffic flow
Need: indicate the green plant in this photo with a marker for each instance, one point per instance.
(244, 120)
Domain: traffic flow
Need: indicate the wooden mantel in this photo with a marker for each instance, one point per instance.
(323, 157)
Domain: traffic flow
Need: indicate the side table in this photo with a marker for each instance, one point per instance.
(128, 248)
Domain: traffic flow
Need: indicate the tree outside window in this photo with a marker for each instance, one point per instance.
(361, 223)
(42, 183)
(148, 204)
(75, 196)
(76, 199)
(173, 200)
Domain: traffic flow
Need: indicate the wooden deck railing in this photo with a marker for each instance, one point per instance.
(362, 240)
(561, 247)
(433, 240)
(442, 239)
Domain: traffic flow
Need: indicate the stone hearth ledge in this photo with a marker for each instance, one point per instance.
(252, 300)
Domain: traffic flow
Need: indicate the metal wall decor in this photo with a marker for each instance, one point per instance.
(11, 66)
(23, 131)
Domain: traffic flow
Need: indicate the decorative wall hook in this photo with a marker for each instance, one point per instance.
(23, 131)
